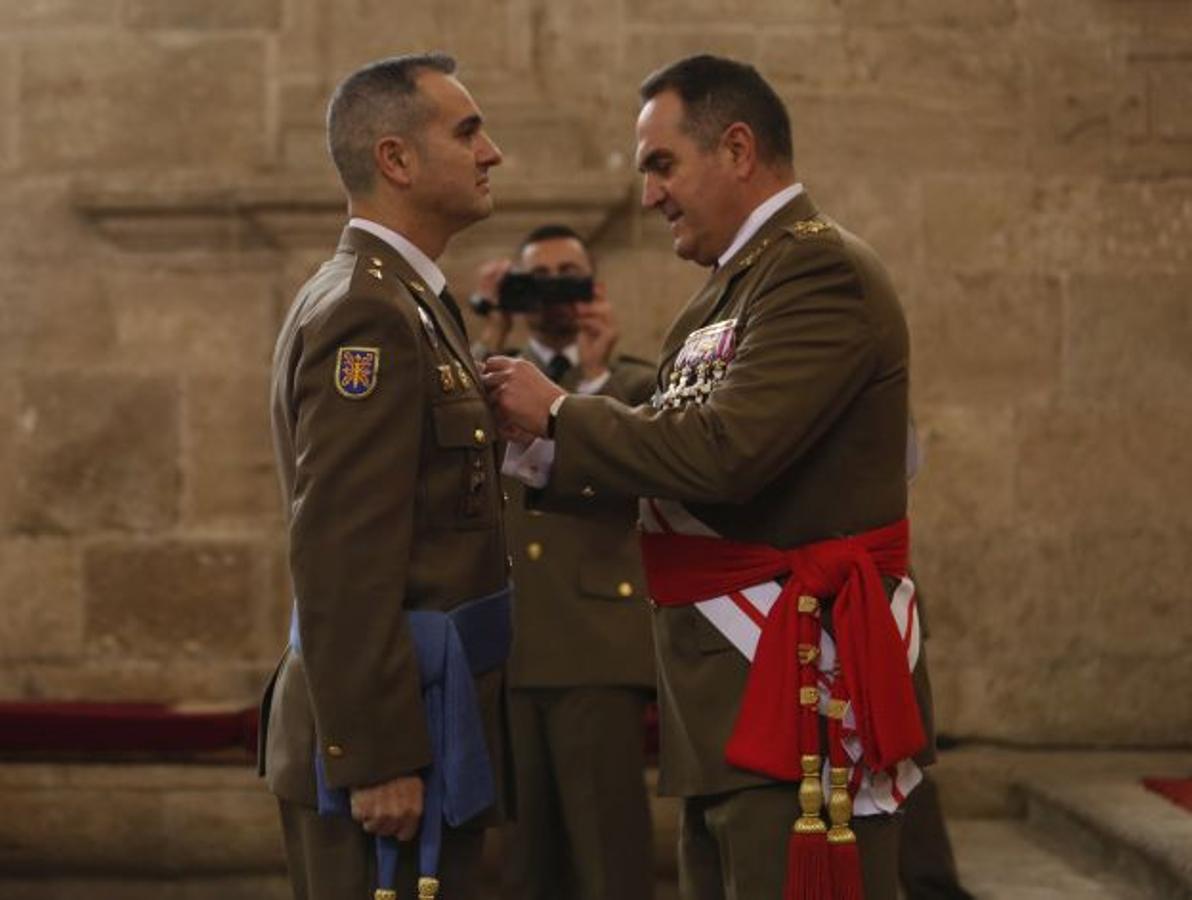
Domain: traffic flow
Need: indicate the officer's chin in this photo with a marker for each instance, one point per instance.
(481, 209)
(559, 330)
(689, 250)
(683, 248)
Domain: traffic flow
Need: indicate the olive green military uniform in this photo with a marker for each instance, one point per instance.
(581, 673)
(393, 503)
(804, 438)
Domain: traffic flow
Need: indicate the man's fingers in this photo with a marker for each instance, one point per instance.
(403, 826)
(499, 364)
(494, 380)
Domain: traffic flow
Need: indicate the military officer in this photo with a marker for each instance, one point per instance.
(582, 666)
(771, 464)
(385, 450)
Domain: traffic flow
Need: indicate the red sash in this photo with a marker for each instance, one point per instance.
(767, 738)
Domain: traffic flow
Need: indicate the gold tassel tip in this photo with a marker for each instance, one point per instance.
(840, 807)
(811, 798)
(428, 888)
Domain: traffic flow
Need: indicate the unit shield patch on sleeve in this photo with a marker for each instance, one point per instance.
(356, 371)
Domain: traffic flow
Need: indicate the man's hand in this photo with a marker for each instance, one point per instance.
(497, 323)
(391, 808)
(598, 333)
(520, 395)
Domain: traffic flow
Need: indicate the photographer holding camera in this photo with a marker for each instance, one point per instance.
(582, 668)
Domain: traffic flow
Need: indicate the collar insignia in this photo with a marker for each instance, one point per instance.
(808, 227)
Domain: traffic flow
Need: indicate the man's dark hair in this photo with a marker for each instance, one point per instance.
(550, 232)
(553, 232)
(716, 92)
(379, 99)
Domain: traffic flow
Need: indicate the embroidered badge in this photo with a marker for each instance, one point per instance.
(356, 371)
(751, 257)
(700, 365)
(808, 227)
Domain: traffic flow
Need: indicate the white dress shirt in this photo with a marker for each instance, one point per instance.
(758, 218)
(422, 264)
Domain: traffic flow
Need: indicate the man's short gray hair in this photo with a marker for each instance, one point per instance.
(379, 99)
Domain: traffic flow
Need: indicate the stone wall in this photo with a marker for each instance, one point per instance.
(1024, 167)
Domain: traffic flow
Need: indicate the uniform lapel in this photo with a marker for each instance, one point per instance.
(701, 309)
(394, 265)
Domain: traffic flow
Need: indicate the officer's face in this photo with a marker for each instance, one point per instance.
(555, 257)
(692, 187)
(454, 154)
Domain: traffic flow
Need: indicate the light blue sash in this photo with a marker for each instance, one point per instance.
(453, 648)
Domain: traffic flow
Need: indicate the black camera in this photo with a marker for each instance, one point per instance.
(522, 292)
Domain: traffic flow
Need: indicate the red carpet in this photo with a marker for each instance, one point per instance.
(121, 729)
(116, 728)
(1177, 790)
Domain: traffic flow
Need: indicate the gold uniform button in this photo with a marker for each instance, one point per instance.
(625, 589)
(505, 496)
(534, 551)
(479, 437)
(335, 751)
(588, 491)
(508, 564)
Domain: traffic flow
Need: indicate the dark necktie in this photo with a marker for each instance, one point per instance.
(558, 367)
(452, 307)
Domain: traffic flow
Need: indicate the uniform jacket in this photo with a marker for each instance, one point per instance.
(803, 439)
(581, 613)
(393, 504)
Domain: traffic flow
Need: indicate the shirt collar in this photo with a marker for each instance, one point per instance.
(758, 218)
(422, 264)
(546, 354)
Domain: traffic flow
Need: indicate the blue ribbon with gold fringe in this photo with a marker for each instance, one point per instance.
(453, 647)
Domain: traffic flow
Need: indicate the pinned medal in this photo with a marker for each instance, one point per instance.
(701, 364)
(356, 370)
(465, 380)
(429, 327)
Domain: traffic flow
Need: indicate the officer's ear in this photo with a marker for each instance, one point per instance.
(739, 146)
(395, 159)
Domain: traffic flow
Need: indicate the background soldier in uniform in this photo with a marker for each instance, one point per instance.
(385, 448)
(780, 425)
(582, 666)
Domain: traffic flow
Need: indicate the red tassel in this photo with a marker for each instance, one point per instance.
(808, 868)
(846, 872)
